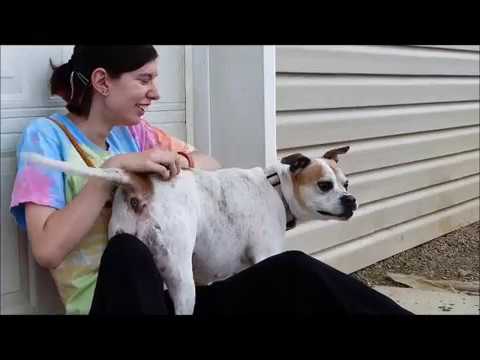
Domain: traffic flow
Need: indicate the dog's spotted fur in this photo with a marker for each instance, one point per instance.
(210, 225)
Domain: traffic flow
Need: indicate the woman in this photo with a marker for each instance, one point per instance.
(107, 90)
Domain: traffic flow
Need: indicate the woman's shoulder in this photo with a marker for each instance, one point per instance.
(143, 135)
(41, 135)
(42, 126)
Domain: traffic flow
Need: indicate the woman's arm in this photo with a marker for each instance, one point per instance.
(55, 233)
(148, 137)
(204, 161)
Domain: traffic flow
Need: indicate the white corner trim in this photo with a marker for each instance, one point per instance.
(269, 82)
(199, 98)
(189, 98)
(220, 119)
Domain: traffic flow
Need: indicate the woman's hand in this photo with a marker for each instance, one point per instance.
(167, 164)
(182, 160)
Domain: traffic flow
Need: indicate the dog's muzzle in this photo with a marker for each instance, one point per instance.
(349, 204)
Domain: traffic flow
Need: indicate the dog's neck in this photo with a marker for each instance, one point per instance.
(273, 177)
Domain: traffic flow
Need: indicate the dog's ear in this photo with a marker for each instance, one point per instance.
(333, 154)
(296, 161)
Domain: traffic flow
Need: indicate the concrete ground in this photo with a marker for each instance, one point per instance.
(416, 278)
(426, 302)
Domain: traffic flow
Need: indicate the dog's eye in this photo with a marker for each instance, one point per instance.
(345, 185)
(134, 203)
(325, 185)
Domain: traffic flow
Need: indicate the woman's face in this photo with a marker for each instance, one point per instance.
(131, 94)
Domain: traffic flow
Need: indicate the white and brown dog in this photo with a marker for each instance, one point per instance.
(203, 226)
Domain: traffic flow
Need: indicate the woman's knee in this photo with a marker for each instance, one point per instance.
(300, 264)
(292, 261)
(126, 246)
(293, 256)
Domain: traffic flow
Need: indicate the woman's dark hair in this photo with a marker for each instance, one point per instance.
(75, 74)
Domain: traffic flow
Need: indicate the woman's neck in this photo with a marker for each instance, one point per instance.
(95, 128)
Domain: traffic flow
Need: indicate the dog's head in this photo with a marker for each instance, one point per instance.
(320, 188)
(132, 207)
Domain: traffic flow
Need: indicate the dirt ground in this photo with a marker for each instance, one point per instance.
(453, 256)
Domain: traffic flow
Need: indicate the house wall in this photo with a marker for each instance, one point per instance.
(234, 104)
(411, 117)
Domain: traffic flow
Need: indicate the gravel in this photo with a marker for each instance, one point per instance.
(453, 256)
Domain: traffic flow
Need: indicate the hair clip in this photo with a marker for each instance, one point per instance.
(82, 78)
(71, 85)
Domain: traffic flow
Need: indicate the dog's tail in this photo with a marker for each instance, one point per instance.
(111, 174)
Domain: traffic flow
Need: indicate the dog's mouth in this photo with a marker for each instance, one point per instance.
(344, 216)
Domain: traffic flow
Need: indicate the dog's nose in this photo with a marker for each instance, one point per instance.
(349, 201)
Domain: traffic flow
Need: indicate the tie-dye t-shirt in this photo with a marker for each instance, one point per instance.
(76, 276)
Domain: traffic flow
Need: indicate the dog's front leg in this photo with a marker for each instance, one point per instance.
(181, 287)
(264, 248)
(175, 266)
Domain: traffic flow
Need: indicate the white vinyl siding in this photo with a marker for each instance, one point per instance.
(411, 117)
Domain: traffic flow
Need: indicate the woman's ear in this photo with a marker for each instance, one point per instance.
(100, 81)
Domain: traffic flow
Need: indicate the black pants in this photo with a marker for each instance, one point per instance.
(291, 283)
